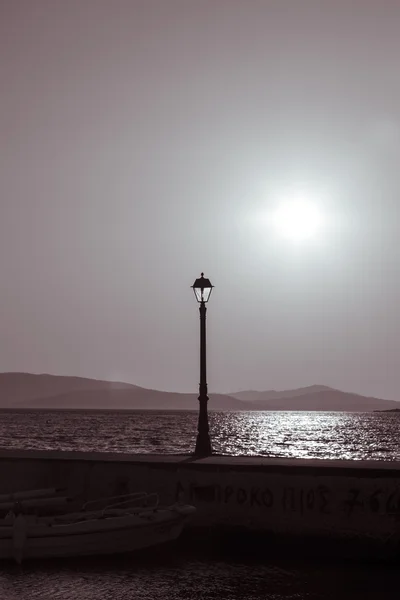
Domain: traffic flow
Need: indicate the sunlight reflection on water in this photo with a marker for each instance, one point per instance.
(356, 436)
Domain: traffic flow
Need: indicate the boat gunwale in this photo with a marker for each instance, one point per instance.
(61, 529)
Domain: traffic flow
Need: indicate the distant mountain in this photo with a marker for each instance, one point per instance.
(24, 387)
(139, 398)
(253, 396)
(328, 400)
(314, 397)
(24, 390)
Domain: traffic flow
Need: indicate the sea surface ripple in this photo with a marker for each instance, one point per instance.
(324, 435)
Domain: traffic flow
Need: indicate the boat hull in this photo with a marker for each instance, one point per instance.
(92, 538)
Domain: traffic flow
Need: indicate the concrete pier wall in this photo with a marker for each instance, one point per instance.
(332, 499)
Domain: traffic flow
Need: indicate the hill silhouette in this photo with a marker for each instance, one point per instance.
(139, 398)
(26, 390)
(314, 397)
(52, 392)
(328, 400)
(253, 396)
(16, 388)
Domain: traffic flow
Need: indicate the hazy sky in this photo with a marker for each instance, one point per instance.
(143, 142)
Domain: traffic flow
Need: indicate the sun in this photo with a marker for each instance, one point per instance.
(298, 219)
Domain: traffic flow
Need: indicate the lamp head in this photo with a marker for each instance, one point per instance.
(202, 288)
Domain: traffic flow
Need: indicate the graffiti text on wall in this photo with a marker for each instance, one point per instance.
(321, 498)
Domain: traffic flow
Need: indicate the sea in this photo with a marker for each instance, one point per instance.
(214, 575)
(324, 435)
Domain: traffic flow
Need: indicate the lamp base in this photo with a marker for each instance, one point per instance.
(203, 446)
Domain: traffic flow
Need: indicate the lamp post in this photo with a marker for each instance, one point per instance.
(202, 290)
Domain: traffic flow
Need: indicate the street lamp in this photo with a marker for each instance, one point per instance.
(202, 290)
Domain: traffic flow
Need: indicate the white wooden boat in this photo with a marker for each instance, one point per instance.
(121, 524)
